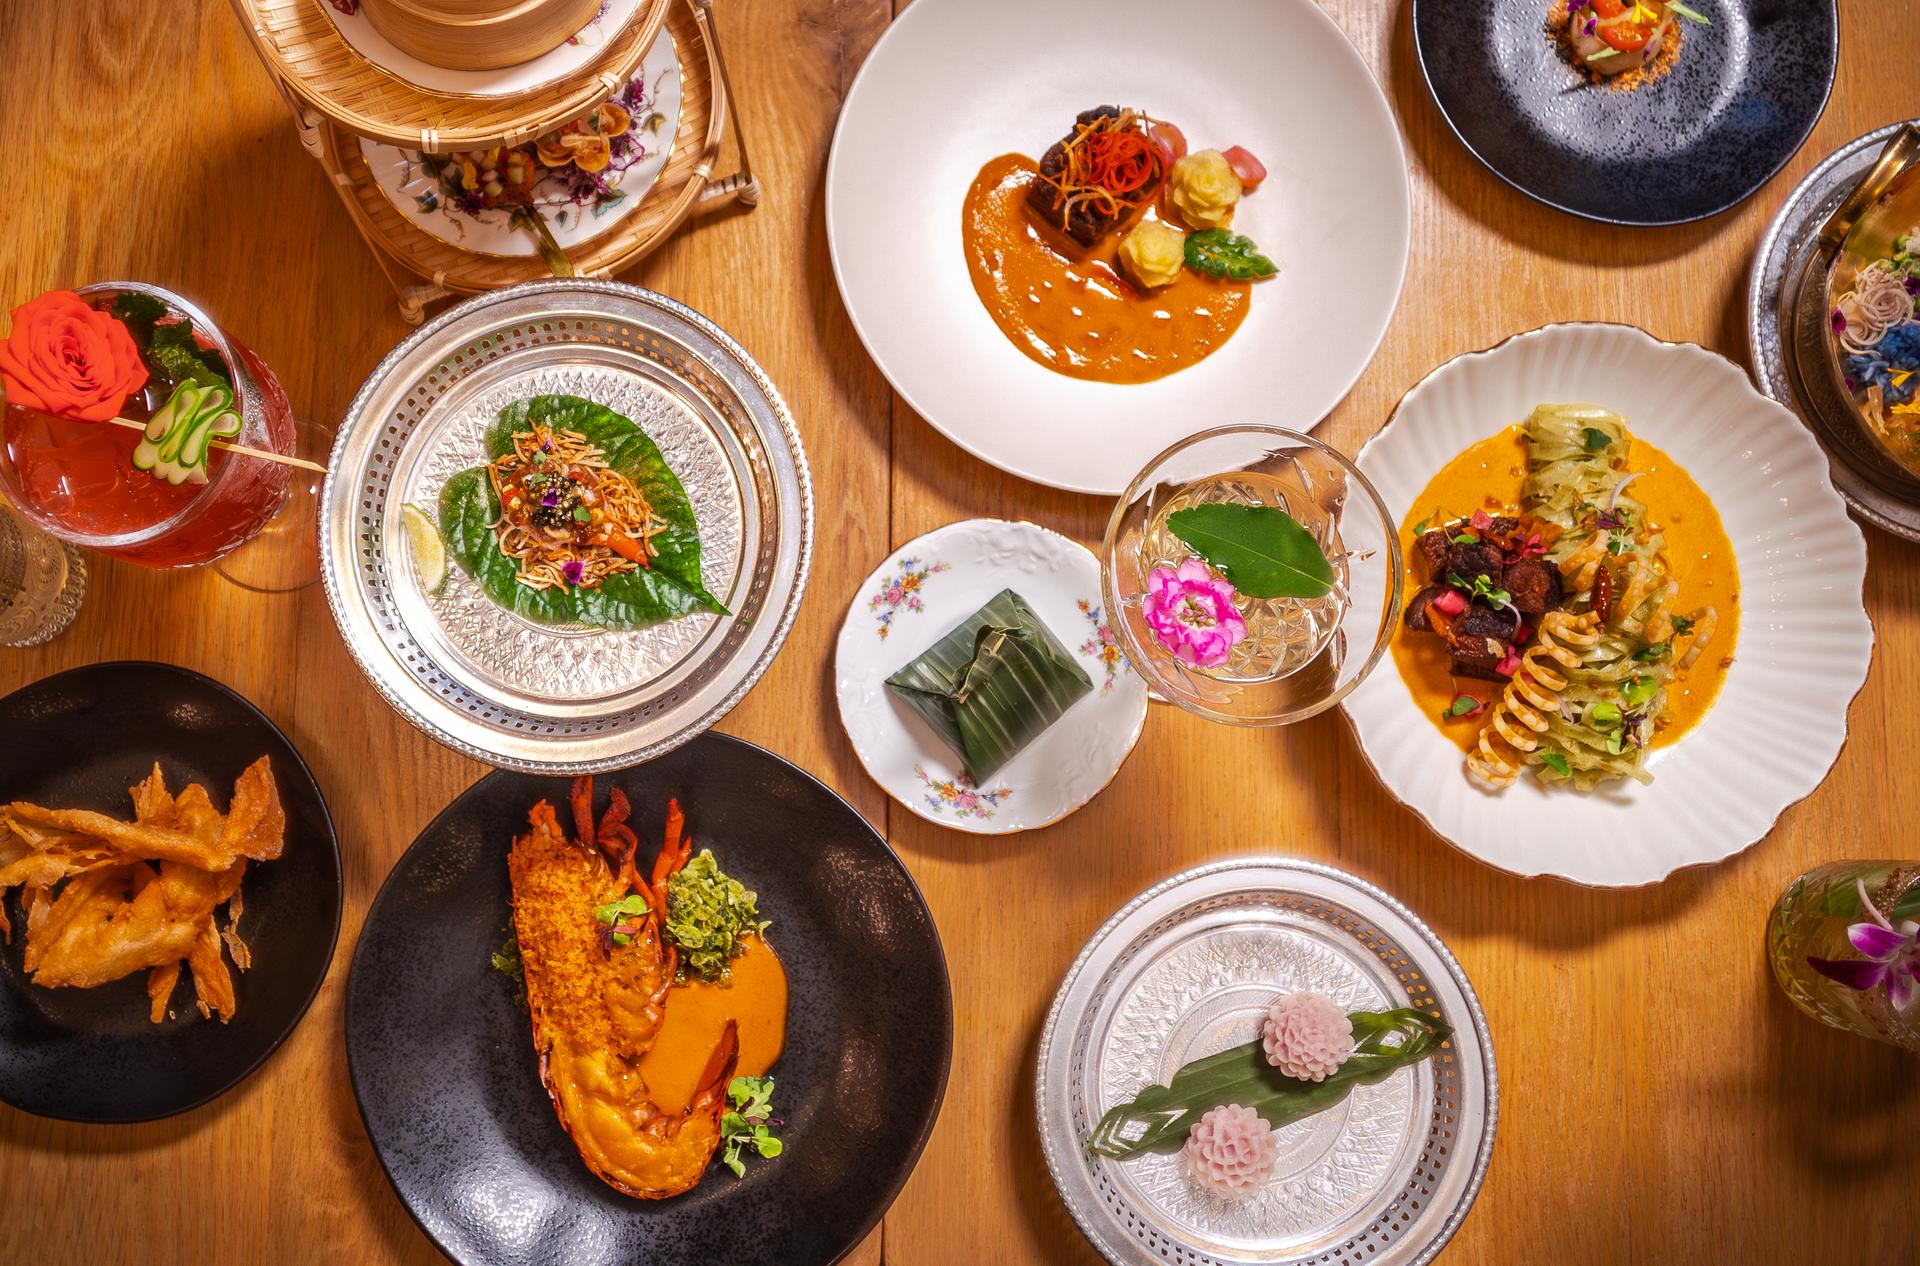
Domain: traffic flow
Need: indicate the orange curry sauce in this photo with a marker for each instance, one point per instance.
(755, 998)
(1490, 476)
(1071, 310)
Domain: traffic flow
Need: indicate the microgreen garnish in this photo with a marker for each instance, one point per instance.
(1466, 538)
(615, 913)
(1463, 706)
(1647, 655)
(581, 514)
(1595, 438)
(1480, 587)
(1682, 625)
(1557, 763)
(749, 1122)
(506, 961)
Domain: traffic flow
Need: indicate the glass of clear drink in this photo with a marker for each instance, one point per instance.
(1299, 656)
(1811, 921)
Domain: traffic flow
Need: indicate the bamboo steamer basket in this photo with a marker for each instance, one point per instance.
(479, 34)
(680, 186)
(318, 68)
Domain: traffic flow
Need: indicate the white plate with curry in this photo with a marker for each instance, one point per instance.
(1027, 331)
(1635, 626)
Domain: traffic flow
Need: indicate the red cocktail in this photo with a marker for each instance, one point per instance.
(91, 483)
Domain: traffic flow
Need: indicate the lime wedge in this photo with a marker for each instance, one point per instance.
(429, 551)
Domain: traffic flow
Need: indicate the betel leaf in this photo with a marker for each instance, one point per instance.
(671, 587)
(1159, 1117)
(1224, 253)
(1264, 551)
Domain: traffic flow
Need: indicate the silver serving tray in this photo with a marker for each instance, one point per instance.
(547, 698)
(1785, 366)
(1184, 970)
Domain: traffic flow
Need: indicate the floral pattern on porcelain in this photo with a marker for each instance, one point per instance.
(1101, 647)
(961, 795)
(903, 591)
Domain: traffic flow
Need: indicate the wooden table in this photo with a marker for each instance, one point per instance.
(1663, 1102)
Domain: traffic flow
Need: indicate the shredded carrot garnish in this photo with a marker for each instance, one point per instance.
(1112, 164)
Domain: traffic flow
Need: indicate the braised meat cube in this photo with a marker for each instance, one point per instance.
(1500, 527)
(1416, 617)
(1478, 621)
(1089, 220)
(1534, 584)
(1434, 549)
(1477, 558)
(1478, 657)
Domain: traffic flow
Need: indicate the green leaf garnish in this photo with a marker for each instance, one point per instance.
(1224, 253)
(1159, 1117)
(582, 515)
(1639, 690)
(709, 914)
(1265, 552)
(1557, 763)
(1603, 54)
(1462, 705)
(745, 1124)
(1646, 655)
(1480, 588)
(1604, 716)
(615, 912)
(178, 357)
(1595, 438)
(1466, 538)
(1682, 625)
(670, 586)
(1689, 14)
(139, 313)
(1616, 741)
(506, 961)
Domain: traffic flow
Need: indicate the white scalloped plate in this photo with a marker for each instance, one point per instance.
(915, 598)
(1804, 645)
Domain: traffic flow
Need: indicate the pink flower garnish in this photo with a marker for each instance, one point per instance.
(1231, 1149)
(1191, 613)
(1307, 1036)
(1888, 954)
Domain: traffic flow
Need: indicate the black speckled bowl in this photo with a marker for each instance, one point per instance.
(80, 739)
(442, 1057)
(1742, 95)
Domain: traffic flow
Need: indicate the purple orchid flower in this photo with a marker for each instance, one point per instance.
(572, 570)
(1888, 954)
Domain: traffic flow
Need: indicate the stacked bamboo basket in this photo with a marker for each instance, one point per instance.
(338, 97)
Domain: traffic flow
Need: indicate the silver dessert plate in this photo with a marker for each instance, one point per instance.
(1186, 969)
(548, 698)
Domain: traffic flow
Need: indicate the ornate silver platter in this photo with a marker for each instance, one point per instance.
(1780, 343)
(565, 699)
(1186, 969)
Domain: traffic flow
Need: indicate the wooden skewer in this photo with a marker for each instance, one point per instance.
(243, 449)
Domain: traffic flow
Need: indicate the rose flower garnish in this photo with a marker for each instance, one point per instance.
(70, 360)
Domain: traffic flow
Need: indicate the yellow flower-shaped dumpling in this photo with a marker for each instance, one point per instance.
(1204, 189)
(1154, 253)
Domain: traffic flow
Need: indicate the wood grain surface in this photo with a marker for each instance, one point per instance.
(1662, 1100)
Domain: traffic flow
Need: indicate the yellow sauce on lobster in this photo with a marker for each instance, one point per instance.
(1491, 476)
(755, 998)
(1071, 310)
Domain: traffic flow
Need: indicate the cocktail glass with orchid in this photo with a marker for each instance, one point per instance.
(1253, 574)
(1844, 941)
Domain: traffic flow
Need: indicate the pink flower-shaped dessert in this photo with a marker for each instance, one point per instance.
(1231, 1149)
(1190, 611)
(1307, 1036)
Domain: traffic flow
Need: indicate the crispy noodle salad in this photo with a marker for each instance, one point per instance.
(566, 518)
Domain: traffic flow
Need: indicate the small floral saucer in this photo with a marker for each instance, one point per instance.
(920, 594)
(652, 99)
(580, 51)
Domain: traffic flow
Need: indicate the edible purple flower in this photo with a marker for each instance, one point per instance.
(550, 498)
(1839, 321)
(1607, 521)
(1889, 955)
(572, 570)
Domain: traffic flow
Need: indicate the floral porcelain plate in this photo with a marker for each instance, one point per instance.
(549, 68)
(651, 100)
(1802, 650)
(915, 598)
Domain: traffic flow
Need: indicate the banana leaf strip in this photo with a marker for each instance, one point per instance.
(1159, 1117)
